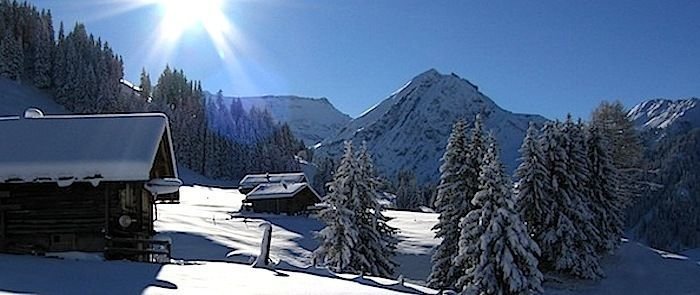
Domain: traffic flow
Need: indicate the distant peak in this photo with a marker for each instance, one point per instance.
(429, 74)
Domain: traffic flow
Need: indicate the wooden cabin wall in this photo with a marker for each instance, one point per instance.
(298, 203)
(50, 218)
(44, 217)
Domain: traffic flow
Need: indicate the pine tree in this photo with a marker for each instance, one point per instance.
(340, 236)
(450, 202)
(533, 200)
(567, 242)
(43, 40)
(324, 174)
(606, 204)
(145, 85)
(58, 69)
(11, 56)
(494, 236)
(376, 238)
(612, 121)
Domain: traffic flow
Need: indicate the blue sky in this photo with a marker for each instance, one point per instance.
(545, 57)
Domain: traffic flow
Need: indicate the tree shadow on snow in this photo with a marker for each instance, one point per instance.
(41, 275)
(367, 281)
(188, 246)
(304, 226)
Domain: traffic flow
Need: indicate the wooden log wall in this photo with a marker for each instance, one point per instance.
(45, 217)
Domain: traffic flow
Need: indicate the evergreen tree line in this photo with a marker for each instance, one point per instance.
(84, 75)
(211, 151)
(356, 238)
(80, 70)
(409, 194)
(26, 43)
(239, 125)
(562, 215)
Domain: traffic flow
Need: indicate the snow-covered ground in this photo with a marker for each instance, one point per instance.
(213, 248)
(212, 251)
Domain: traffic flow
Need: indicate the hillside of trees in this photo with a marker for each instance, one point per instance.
(668, 216)
(85, 75)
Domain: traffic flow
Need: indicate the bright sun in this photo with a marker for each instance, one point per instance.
(182, 15)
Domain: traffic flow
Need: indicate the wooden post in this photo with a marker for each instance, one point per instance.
(264, 258)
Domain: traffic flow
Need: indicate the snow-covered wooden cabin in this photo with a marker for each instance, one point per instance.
(84, 183)
(250, 181)
(282, 197)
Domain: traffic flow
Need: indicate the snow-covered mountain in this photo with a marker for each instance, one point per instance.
(664, 113)
(310, 119)
(409, 129)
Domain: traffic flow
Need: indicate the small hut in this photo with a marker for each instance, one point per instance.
(250, 181)
(85, 183)
(288, 198)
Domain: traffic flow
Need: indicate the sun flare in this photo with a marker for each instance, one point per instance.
(182, 15)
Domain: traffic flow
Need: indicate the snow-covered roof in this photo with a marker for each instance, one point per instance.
(70, 148)
(252, 180)
(276, 190)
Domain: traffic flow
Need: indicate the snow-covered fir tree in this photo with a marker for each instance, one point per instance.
(450, 203)
(340, 236)
(376, 239)
(459, 181)
(606, 204)
(476, 148)
(533, 200)
(567, 241)
(324, 173)
(494, 241)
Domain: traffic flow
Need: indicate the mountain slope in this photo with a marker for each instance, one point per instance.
(409, 129)
(310, 119)
(668, 216)
(665, 113)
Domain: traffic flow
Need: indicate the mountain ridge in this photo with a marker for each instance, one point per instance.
(409, 128)
(662, 113)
